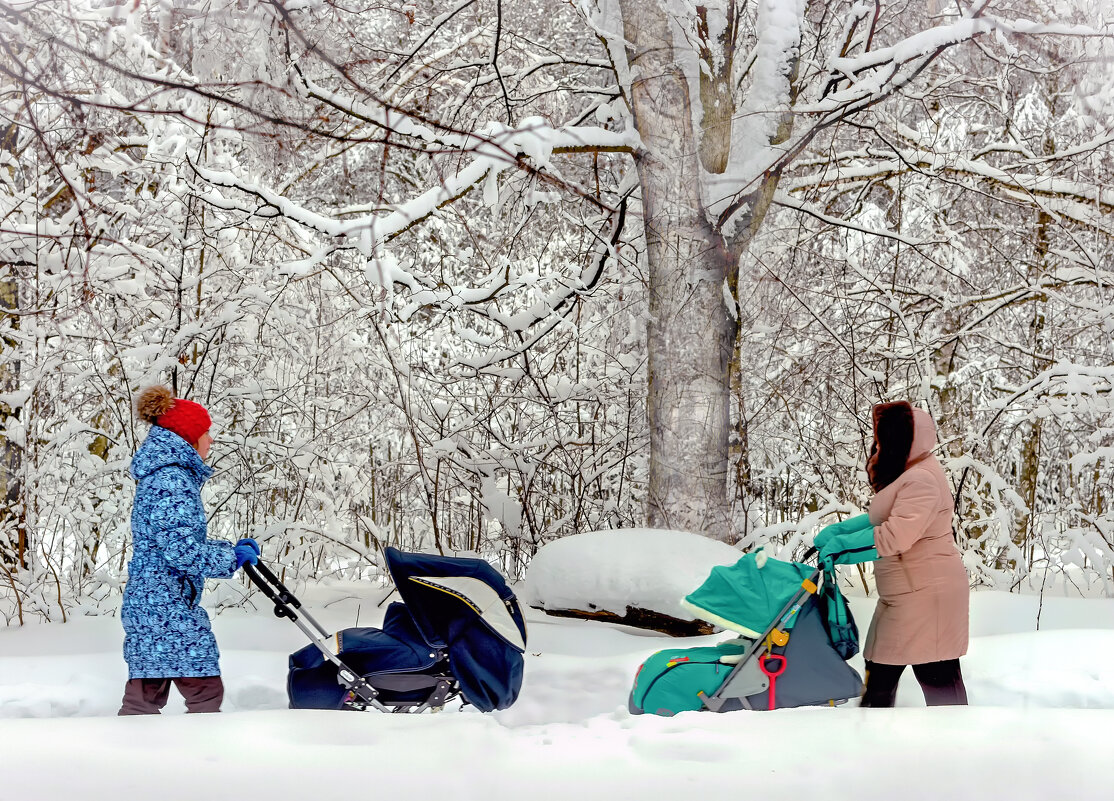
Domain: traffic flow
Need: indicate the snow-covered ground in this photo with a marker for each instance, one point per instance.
(1039, 726)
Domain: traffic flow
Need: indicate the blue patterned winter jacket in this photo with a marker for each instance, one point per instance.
(167, 633)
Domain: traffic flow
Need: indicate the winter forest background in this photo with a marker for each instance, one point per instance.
(476, 275)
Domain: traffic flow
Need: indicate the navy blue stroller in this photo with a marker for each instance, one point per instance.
(458, 632)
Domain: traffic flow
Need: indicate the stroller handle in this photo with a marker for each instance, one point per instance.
(265, 579)
(285, 601)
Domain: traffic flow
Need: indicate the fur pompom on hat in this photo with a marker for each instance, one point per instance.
(185, 418)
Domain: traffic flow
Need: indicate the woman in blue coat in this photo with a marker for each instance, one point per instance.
(167, 633)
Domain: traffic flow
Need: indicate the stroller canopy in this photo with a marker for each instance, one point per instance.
(746, 596)
(465, 607)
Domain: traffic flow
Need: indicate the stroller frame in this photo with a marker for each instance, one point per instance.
(361, 694)
(746, 678)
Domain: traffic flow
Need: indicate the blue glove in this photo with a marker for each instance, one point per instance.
(850, 548)
(842, 527)
(247, 550)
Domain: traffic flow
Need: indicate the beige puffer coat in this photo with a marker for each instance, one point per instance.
(924, 595)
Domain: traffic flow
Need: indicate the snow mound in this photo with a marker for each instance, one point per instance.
(614, 569)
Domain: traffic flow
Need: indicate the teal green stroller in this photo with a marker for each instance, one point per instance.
(795, 635)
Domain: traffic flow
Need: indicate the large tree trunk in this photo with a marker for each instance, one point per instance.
(690, 334)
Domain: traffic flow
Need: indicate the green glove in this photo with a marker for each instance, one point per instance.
(850, 548)
(842, 527)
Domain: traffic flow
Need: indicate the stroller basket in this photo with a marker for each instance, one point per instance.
(458, 632)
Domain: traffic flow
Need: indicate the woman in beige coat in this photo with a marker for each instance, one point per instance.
(922, 614)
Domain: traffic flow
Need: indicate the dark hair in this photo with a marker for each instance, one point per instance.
(893, 439)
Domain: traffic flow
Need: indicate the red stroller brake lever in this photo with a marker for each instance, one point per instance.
(772, 674)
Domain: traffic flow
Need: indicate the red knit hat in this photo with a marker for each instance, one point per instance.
(185, 418)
